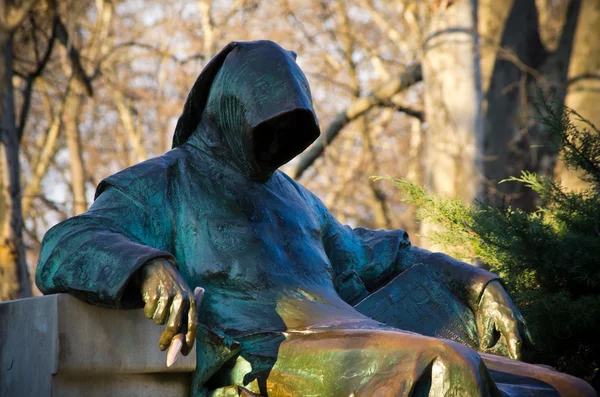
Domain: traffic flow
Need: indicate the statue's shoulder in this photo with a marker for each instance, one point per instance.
(309, 197)
(146, 178)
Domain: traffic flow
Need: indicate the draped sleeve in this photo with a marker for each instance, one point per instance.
(95, 256)
(365, 259)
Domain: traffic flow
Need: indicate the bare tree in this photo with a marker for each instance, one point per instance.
(437, 91)
(453, 99)
(12, 249)
(583, 78)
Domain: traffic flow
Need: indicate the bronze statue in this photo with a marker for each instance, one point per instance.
(281, 275)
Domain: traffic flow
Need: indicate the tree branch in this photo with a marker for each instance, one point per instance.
(74, 56)
(13, 15)
(154, 49)
(418, 114)
(356, 109)
(208, 28)
(30, 80)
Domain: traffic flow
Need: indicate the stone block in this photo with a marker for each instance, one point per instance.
(57, 345)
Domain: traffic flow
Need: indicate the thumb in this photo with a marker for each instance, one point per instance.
(485, 329)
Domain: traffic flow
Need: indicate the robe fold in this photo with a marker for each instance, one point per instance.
(251, 246)
(271, 258)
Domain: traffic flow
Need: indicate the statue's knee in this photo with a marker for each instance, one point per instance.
(454, 351)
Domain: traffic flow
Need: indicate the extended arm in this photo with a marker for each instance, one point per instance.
(467, 282)
(483, 293)
(365, 260)
(370, 258)
(376, 256)
(117, 255)
(96, 255)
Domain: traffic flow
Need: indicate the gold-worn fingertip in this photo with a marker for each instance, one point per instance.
(529, 337)
(185, 350)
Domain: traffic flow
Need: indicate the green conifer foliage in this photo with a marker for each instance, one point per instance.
(550, 259)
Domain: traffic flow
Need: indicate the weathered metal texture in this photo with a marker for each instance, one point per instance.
(395, 363)
(422, 304)
(274, 262)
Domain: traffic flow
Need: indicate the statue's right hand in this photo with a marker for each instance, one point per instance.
(169, 301)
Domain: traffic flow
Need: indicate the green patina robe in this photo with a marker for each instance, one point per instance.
(269, 254)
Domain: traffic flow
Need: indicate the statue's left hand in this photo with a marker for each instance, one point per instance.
(496, 312)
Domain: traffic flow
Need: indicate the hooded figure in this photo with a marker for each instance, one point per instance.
(280, 273)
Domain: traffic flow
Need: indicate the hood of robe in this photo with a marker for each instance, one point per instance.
(251, 108)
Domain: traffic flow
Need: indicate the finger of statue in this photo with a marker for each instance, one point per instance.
(177, 343)
(174, 322)
(525, 330)
(162, 308)
(192, 327)
(151, 299)
(514, 347)
(509, 327)
(485, 329)
(188, 301)
(174, 349)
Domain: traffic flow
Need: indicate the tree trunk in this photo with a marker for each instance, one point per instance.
(357, 108)
(492, 18)
(12, 249)
(33, 187)
(135, 139)
(453, 102)
(516, 55)
(583, 80)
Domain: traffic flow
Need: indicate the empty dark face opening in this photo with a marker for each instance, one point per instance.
(281, 138)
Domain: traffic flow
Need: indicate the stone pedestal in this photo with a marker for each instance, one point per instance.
(58, 346)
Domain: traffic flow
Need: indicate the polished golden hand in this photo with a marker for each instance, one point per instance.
(169, 301)
(497, 314)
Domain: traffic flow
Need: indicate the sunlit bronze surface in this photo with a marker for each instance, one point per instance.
(282, 276)
(393, 363)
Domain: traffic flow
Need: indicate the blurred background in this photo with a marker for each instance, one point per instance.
(440, 92)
